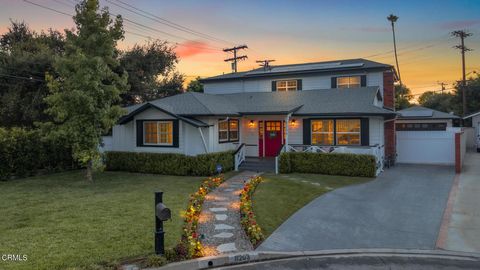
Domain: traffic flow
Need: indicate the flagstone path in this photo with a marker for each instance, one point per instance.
(219, 227)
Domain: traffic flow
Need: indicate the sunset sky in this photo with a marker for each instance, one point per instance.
(291, 32)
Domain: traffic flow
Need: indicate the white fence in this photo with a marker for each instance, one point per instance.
(426, 147)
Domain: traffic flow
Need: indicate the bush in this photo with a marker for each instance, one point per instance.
(331, 163)
(171, 164)
(26, 152)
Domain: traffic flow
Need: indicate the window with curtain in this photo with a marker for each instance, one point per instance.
(228, 130)
(348, 82)
(287, 85)
(322, 132)
(158, 132)
(348, 131)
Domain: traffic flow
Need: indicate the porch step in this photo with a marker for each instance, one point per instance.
(258, 165)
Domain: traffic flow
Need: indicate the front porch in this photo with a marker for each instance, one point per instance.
(267, 136)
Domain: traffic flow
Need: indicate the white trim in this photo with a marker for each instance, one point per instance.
(471, 115)
(349, 85)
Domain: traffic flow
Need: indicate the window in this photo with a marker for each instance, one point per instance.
(228, 130)
(287, 85)
(348, 131)
(348, 82)
(322, 132)
(421, 126)
(158, 132)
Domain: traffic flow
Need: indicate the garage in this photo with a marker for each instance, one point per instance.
(426, 136)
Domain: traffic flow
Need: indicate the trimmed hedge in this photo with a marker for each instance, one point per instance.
(331, 163)
(25, 152)
(170, 164)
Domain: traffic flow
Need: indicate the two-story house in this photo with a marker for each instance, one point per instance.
(343, 106)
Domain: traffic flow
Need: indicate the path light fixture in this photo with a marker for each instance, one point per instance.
(162, 213)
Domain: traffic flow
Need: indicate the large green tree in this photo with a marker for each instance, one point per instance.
(443, 102)
(403, 95)
(151, 72)
(472, 94)
(88, 83)
(25, 57)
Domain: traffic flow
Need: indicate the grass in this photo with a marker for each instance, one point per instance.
(279, 196)
(61, 222)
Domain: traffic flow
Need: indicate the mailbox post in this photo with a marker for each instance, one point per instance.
(162, 213)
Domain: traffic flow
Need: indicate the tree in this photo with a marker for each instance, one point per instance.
(151, 72)
(195, 86)
(84, 92)
(403, 95)
(25, 57)
(393, 19)
(472, 95)
(443, 102)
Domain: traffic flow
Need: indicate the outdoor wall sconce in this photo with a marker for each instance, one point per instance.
(251, 124)
(293, 122)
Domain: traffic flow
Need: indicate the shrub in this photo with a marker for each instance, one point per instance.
(171, 164)
(154, 261)
(26, 152)
(331, 163)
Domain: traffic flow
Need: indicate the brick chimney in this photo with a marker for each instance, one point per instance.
(389, 103)
(388, 90)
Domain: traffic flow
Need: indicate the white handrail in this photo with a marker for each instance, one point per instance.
(239, 156)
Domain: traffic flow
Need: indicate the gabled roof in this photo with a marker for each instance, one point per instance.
(304, 68)
(186, 106)
(472, 115)
(419, 112)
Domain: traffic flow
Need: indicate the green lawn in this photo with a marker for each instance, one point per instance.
(59, 221)
(279, 196)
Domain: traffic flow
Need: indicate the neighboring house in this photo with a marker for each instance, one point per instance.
(346, 105)
(476, 128)
(426, 136)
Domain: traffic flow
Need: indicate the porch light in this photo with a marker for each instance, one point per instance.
(251, 123)
(293, 122)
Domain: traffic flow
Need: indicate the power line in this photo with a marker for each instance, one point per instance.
(20, 77)
(163, 21)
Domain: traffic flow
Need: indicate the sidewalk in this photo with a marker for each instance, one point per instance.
(463, 231)
(219, 226)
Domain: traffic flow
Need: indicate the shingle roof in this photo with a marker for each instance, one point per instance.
(316, 67)
(419, 112)
(352, 101)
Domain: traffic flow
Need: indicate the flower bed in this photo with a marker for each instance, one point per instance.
(247, 217)
(190, 245)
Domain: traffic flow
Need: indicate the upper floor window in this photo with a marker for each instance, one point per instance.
(287, 85)
(348, 82)
(228, 130)
(158, 133)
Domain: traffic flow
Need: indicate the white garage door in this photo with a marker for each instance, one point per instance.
(426, 147)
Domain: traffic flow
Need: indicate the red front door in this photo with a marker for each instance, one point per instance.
(273, 138)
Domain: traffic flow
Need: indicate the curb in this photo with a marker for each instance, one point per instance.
(249, 257)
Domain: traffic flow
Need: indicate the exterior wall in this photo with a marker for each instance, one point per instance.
(476, 126)
(376, 131)
(390, 140)
(211, 136)
(309, 82)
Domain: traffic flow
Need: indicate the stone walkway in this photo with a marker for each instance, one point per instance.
(219, 227)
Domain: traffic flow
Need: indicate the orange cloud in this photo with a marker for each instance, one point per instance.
(191, 48)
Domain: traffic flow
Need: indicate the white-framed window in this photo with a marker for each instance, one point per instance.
(348, 82)
(322, 131)
(158, 132)
(348, 131)
(287, 85)
(228, 130)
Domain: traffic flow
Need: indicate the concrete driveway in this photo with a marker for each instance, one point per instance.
(402, 208)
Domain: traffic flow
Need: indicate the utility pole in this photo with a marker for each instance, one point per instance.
(235, 58)
(265, 63)
(442, 84)
(462, 35)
